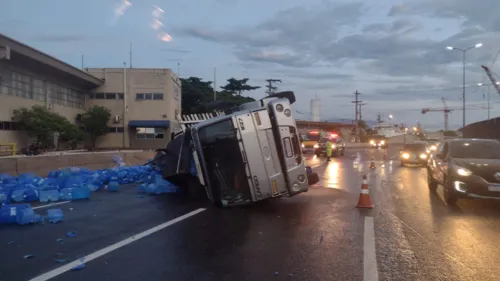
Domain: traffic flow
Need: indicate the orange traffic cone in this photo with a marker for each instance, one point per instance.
(364, 196)
(372, 163)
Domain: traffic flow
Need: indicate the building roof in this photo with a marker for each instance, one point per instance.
(23, 53)
(323, 124)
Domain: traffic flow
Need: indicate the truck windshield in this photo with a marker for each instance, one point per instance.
(224, 162)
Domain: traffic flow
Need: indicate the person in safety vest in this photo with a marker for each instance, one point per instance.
(329, 149)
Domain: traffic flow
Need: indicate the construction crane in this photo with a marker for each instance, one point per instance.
(446, 110)
(495, 83)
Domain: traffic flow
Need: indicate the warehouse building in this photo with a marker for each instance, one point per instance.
(143, 102)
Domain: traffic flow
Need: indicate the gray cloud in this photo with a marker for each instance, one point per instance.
(60, 38)
(323, 49)
(176, 50)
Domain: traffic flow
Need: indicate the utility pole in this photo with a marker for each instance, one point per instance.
(270, 86)
(356, 102)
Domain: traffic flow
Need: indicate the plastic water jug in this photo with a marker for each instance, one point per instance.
(74, 193)
(49, 195)
(8, 213)
(113, 186)
(55, 215)
(27, 216)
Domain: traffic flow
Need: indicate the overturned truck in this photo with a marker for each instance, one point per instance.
(239, 155)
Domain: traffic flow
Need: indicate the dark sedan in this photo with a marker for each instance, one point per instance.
(414, 153)
(466, 168)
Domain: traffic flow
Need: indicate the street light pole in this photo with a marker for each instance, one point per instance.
(478, 45)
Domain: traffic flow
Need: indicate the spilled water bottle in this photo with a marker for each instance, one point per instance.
(55, 215)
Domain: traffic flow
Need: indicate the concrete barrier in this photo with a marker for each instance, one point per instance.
(41, 165)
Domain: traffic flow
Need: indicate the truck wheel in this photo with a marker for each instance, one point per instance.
(430, 181)
(195, 190)
(449, 196)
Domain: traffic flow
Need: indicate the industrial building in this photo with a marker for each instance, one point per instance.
(488, 129)
(143, 102)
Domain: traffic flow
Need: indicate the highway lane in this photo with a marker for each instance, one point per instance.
(419, 237)
(314, 236)
(319, 235)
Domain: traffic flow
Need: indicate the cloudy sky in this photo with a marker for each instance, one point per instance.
(393, 52)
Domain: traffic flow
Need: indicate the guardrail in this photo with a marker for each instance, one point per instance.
(7, 149)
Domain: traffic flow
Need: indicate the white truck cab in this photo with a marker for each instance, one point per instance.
(249, 155)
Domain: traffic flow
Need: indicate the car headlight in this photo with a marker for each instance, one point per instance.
(333, 146)
(382, 142)
(428, 151)
(423, 156)
(433, 147)
(302, 145)
(462, 171)
(372, 142)
(405, 155)
(316, 146)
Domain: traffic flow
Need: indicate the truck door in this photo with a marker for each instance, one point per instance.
(259, 152)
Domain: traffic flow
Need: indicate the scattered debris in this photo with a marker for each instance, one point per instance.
(27, 257)
(71, 234)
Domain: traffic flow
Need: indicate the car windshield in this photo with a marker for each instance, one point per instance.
(475, 149)
(312, 137)
(414, 146)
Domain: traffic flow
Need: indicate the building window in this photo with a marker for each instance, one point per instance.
(116, 129)
(106, 96)
(149, 96)
(9, 126)
(150, 133)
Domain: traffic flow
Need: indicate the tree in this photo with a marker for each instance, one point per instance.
(40, 123)
(237, 87)
(450, 133)
(196, 93)
(71, 135)
(95, 122)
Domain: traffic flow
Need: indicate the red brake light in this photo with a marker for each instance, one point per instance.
(314, 133)
(333, 135)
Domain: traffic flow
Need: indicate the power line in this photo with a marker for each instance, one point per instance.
(360, 111)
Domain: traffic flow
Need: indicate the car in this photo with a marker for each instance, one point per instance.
(414, 153)
(378, 141)
(337, 149)
(466, 168)
(432, 144)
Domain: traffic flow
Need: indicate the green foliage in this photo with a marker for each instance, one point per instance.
(196, 93)
(450, 133)
(236, 87)
(95, 122)
(40, 123)
(71, 135)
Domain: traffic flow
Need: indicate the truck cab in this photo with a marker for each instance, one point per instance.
(251, 154)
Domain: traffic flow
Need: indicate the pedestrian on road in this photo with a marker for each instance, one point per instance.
(329, 149)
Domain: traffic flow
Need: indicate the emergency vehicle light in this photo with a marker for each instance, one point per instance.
(314, 133)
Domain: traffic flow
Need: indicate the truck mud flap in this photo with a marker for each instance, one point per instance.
(313, 178)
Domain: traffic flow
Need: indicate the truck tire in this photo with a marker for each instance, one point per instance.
(195, 190)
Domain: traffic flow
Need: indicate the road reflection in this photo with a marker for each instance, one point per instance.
(332, 175)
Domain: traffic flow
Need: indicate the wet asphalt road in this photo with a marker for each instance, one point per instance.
(319, 235)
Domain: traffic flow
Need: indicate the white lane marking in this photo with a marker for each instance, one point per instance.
(102, 252)
(50, 205)
(370, 268)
